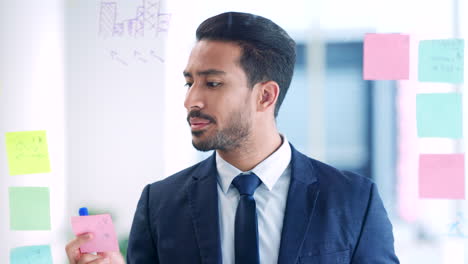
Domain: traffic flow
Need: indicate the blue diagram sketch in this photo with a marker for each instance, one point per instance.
(138, 56)
(148, 20)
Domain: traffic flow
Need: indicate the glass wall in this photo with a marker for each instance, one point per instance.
(112, 105)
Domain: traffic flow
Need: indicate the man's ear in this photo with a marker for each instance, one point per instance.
(268, 93)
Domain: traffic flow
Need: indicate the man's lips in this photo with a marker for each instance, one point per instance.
(198, 123)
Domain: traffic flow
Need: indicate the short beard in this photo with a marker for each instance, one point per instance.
(232, 137)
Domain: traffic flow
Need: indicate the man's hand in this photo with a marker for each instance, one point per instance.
(76, 257)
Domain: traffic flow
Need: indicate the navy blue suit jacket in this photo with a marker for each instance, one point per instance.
(331, 217)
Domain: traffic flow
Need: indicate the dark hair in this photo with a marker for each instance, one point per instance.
(268, 52)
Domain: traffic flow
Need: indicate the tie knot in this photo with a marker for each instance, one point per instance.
(246, 184)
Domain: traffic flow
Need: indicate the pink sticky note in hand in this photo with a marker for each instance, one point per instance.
(386, 57)
(442, 176)
(105, 238)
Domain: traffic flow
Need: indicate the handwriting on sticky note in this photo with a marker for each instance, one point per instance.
(29, 208)
(31, 255)
(442, 176)
(441, 60)
(386, 57)
(458, 227)
(439, 115)
(27, 152)
(105, 238)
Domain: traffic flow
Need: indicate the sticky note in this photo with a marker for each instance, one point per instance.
(31, 254)
(386, 57)
(439, 115)
(27, 152)
(441, 60)
(105, 238)
(29, 208)
(442, 176)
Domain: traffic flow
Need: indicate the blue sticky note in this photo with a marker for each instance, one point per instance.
(31, 254)
(439, 115)
(441, 60)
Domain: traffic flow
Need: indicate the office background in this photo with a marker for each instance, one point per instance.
(110, 97)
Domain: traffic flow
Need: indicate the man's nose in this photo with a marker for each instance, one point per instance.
(193, 98)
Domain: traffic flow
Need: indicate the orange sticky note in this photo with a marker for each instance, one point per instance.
(105, 238)
(386, 57)
(442, 176)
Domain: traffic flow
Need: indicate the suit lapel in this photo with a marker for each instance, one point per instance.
(302, 196)
(203, 201)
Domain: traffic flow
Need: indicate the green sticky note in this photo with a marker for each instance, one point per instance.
(439, 115)
(441, 60)
(27, 152)
(31, 254)
(29, 208)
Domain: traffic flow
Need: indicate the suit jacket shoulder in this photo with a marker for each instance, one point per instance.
(347, 222)
(178, 214)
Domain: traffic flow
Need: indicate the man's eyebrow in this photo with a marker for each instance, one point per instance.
(207, 72)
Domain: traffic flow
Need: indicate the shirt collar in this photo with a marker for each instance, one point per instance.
(269, 170)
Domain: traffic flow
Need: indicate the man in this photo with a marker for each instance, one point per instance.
(256, 199)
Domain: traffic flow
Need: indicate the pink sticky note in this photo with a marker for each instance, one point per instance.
(386, 57)
(102, 227)
(442, 176)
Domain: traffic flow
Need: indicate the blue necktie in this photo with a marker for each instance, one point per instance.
(246, 233)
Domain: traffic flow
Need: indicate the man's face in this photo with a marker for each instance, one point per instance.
(219, 103)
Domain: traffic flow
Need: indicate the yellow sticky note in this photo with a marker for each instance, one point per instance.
(27, 152)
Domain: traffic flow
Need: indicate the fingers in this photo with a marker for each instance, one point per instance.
(93, 259)
(76, 257)
(73, 248)
(106, 254)
(115, 257)
(101, 261)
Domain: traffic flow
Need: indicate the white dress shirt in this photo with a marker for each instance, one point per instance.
(270, 198)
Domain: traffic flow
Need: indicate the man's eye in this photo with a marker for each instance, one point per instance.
(213, 84)
(188, 85)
